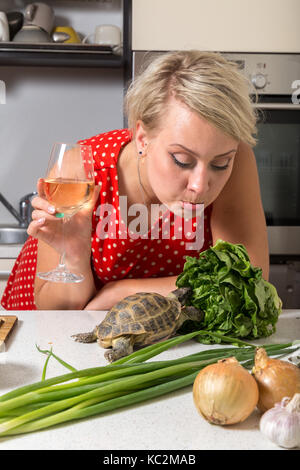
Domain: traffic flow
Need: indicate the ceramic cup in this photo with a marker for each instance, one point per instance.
(73, 36)
(15, 22)
(31, 34)
(41, 15)
(4, 27)
(105, 35)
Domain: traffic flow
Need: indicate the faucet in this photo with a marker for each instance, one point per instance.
(24, 215)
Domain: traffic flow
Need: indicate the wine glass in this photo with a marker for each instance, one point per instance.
(68, 186)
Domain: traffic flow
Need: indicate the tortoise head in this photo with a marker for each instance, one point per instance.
(182, 294)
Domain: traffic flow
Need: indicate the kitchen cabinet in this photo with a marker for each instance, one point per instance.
(6, 265)
(217, 25)
(8, 256)
(70, 55)
(286, 278)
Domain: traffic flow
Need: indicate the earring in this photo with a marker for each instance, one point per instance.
(140, 152)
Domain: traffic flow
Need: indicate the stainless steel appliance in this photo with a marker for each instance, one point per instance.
(275, 79)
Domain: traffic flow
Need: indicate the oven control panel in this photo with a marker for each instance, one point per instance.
(259, 81)
(271, 74)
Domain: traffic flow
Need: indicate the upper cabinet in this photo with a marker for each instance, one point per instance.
(216, 25)
(81, 33)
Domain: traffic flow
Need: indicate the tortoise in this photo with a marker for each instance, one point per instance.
(139, 320)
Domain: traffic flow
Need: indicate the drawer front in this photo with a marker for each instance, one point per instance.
(6, 266)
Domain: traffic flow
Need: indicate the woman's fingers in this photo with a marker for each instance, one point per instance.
(43, 229)
(44, 221)
(42, 204)
(34, 228)
(39, 213)
(41, 187)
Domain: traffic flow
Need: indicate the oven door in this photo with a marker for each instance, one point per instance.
(278, 160)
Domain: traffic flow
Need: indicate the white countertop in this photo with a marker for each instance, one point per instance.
(167, 423)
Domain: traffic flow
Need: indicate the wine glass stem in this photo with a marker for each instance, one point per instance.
(62, 263)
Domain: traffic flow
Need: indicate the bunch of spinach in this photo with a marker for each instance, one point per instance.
(233, 295)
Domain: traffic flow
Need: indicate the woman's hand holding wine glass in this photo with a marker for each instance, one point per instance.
(68, 189)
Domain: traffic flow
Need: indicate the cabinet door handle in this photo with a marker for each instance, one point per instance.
(282, 106)
(4, 275)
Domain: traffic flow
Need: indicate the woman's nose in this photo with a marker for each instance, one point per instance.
(198, 181)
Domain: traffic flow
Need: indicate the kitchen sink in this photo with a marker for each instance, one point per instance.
(10, 235)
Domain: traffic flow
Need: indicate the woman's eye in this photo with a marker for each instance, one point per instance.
(178, 162)
(218, 167)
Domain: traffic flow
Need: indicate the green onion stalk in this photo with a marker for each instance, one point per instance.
(130, 380)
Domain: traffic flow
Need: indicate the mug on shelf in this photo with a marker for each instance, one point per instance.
(31, 34)
(15, 22)
(4, 27)
(105, 35)
(41, 15)
(71, 38)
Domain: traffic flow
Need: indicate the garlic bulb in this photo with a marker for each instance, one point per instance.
(281, 424)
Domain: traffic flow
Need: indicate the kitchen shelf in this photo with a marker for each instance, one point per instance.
(65, 55)
(71, 55)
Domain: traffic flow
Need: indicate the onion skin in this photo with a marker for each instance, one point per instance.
(276, 379)
(225, 393)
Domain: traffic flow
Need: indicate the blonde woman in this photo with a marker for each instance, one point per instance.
(188, 148)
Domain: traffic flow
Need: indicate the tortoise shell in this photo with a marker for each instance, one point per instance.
(139, 314)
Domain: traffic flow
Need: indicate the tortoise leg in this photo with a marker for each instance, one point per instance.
(89, 337)
(121, 346)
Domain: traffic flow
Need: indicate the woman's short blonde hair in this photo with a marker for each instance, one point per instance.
(206, 82)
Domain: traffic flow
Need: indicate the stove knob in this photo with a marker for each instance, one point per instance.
(259, 80)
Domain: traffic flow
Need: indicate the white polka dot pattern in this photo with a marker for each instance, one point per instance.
(19, 291)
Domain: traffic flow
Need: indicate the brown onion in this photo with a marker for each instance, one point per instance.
(276, 379)
(225, 392)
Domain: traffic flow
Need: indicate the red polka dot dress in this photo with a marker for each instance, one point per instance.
(118, 252)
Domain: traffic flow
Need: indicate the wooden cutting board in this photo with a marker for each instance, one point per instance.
(7, 322)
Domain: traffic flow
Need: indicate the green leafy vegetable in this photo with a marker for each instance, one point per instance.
(235, 298)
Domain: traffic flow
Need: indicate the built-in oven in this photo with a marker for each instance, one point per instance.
(275, 80)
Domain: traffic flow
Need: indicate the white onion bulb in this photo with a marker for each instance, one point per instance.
(225, 393)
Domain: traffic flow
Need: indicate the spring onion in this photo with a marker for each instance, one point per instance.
(131, 380)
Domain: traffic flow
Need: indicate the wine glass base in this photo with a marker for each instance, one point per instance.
(60, 276)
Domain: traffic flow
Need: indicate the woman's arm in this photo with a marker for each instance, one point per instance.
(238, 215)
(62, 296)
(114, 291)
(77, 244)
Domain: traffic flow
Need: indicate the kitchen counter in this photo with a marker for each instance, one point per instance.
(169, 422)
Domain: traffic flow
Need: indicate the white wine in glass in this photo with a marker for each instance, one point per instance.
(68, 186)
